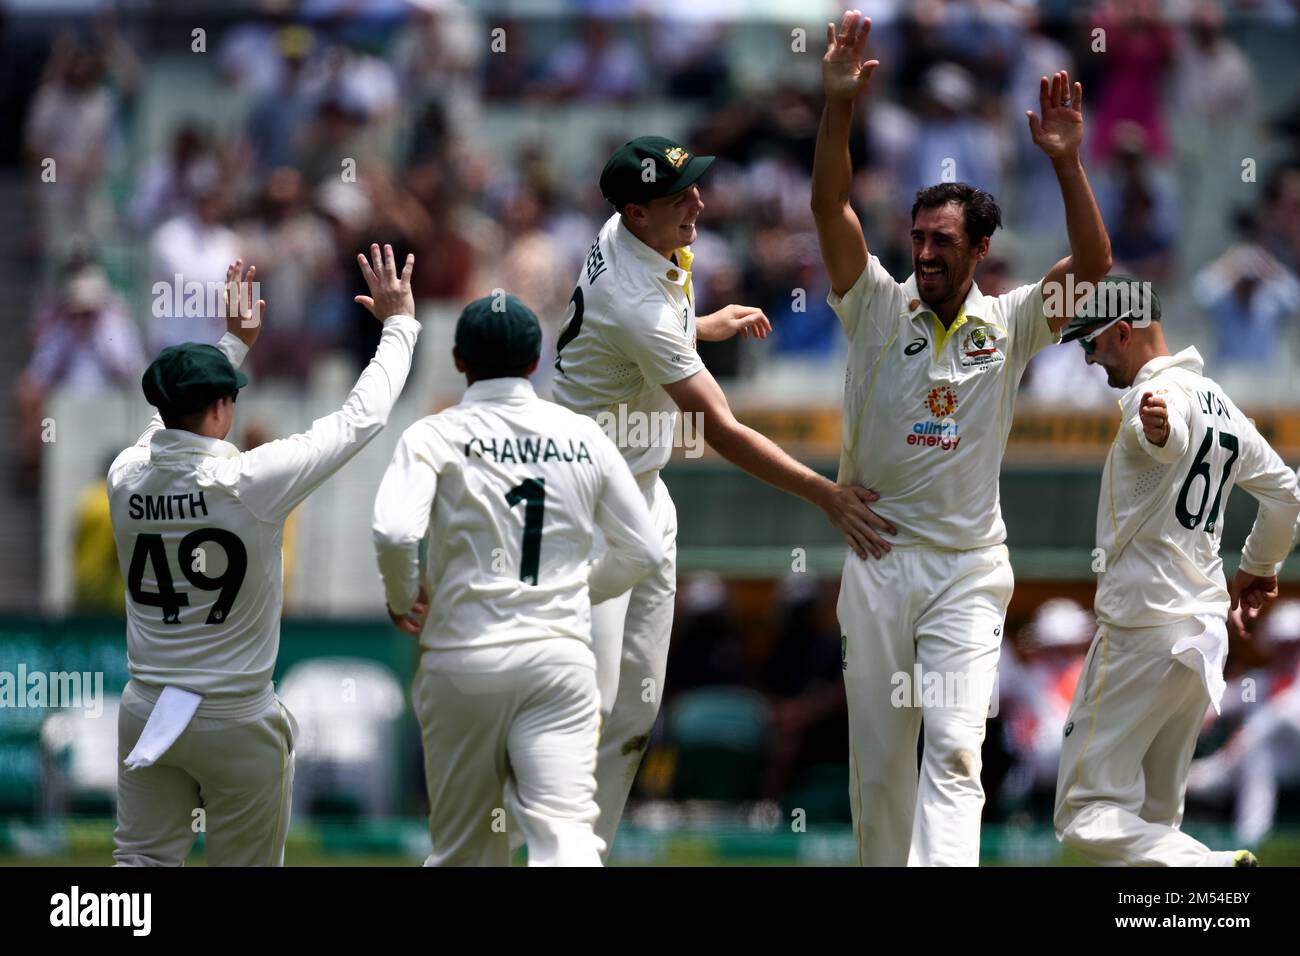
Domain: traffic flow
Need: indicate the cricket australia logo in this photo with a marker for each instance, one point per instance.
(940, 431)
(677, 156)
(980, 348)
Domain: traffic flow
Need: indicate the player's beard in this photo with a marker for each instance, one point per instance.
(936, 291)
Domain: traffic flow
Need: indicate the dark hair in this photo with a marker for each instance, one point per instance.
(190, 421)
(982, 212)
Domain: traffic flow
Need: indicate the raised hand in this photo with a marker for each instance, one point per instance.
(390, 293)
(1059, 133)
(241, 319)
(844, 75)
(1154, 416)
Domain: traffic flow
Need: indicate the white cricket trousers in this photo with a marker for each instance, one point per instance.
(237, 767)
(510, 734)
(630, 635)
(1129, 738)
(922, 629)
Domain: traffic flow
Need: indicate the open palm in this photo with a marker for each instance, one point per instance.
(843, 73)
(1059, 133)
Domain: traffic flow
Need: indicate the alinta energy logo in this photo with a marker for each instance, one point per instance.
(939, 431)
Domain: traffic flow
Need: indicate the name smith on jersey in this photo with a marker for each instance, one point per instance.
(167, 507)
(512, 448)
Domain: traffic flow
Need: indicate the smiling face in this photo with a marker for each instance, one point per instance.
(942, 254)
(667, 223)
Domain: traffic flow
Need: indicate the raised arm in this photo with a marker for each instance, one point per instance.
(844, 76)
(244, 315)
(1059, 134)
(276, 476)
(844, 505)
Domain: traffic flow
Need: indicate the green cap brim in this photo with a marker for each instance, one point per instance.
(696, 167)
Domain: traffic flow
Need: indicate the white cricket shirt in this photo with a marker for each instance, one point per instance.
(1161, 513)
(199, 528)
(927, 411)
(630, 331)
(508, 489)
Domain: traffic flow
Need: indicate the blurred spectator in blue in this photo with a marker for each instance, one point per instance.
(87, 344)
(954, 141)
(803, 678)
(189, 255)
(1039, 216)
(686, 40)
(1139, 244)
(286, 98)
(163, 188)
(597, 66)
(1251, 299)
(290, 245)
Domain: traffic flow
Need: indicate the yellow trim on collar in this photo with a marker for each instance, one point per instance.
(943, 335)
(684, 258)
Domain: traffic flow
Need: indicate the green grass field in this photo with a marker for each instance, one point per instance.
(88, 842)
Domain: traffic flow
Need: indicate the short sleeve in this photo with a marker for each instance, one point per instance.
(875, 295)
(1026, 317)
(656, 340)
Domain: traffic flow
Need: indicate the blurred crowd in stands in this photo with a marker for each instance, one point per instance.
(351, 128)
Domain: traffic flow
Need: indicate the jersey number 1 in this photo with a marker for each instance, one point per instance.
(149, 549)
(533, 492)
(1201, 469)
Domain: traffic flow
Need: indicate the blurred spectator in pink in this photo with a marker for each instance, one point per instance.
(195, 246)
(290, 245)
(88, 344)
(1036, 681)
(1130, 73)
(1263, 756)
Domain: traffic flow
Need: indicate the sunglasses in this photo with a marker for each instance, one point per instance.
(1089, 342)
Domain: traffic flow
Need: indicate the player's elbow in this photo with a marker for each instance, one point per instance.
(389, 538)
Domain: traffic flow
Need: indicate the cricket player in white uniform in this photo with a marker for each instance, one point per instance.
(509, 490)
(626, 357)
(198, 526)
(929, 393)
(1162, 605)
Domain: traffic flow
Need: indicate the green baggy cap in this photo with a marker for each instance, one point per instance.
(649, 167)
(186, 378)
